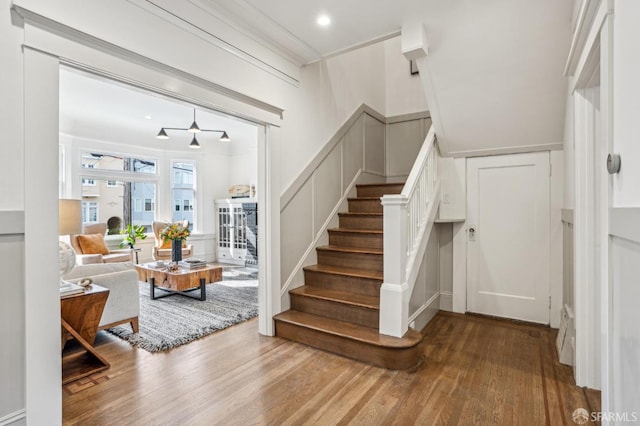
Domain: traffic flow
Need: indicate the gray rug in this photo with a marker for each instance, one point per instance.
(173, 321)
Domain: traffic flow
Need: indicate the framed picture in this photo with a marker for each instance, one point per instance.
(413, 67)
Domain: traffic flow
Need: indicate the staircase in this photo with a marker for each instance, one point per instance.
(338, 308)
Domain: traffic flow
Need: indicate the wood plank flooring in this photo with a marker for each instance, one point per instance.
(477, 371)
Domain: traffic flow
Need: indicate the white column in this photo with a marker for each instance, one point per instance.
(394, 293)
(42, 296)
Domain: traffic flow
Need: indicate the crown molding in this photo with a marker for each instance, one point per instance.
(246, 18)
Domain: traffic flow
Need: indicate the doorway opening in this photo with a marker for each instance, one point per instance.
(112, 160)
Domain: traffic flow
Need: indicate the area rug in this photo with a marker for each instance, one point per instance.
(176, 320)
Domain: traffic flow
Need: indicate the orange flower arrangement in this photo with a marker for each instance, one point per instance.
(176, 231)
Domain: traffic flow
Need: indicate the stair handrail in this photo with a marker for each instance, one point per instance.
(407, 220)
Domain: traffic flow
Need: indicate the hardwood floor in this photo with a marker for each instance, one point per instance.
(476, 371)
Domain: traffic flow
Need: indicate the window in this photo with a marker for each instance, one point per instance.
(121, 163)
(88, 182)
(118, 186)
(89, 212)
(184, 193)
(125, 187)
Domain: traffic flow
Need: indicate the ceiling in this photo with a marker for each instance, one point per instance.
(494, 67)
(290, 24)
(102, 110)
(353, 22)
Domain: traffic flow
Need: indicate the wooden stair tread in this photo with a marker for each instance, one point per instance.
(364, 185)
(351, 272)
(359, 214)
(342, 249)
(363, 199)
(344, 297)
(349, 330)
(357, 231)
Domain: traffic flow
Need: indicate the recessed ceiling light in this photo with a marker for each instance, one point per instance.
(323, 20)
(148, 117)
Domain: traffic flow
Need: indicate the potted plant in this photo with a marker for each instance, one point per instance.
(131, 234)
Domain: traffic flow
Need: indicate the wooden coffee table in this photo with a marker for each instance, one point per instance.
(181, 282)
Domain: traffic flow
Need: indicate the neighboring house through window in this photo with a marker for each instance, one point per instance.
(184, 191)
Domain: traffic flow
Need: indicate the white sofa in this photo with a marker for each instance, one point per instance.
(123, 303)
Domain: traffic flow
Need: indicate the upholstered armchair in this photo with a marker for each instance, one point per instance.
(162, 248)
(90, 247)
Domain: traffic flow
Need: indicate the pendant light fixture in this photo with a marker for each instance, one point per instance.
(194, 128)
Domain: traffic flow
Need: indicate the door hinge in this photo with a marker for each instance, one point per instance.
(550, 168)
(549, 302)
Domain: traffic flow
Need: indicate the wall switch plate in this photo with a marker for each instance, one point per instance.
(446, 199)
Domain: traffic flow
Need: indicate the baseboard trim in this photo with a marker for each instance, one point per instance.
(446, 301)
(13, 417)
(426, 312)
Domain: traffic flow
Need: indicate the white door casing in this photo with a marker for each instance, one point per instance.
(508, 236)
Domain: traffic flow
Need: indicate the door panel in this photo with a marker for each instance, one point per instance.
(508, 252)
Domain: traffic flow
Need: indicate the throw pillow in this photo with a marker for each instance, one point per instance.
(92, 244)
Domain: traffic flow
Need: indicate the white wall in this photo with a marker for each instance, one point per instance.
(329, 92)
(625, 251)
(11, 176)
(404, 93)
(626, 103)
(12, 326)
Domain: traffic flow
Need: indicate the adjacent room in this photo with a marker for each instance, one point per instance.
(157, 199)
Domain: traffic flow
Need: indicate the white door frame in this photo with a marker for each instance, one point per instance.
(592, 334)
(42, 60)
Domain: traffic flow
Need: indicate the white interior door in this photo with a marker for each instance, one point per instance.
(508, 236)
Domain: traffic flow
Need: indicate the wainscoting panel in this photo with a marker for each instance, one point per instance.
(424, 302)
(12, 325)
(296, 228)
(327, 184)
(353, 152)
(625, 316)
(374, 145)
(445, 264)
(403, 141)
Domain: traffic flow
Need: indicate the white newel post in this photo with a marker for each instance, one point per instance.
(394, 293)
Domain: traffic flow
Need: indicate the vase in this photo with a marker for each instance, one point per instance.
(176, 250)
